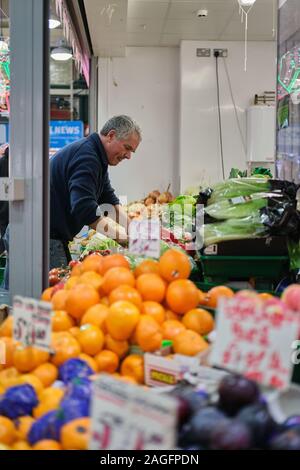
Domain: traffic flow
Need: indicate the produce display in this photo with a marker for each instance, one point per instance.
(150, 206)
(100, 313)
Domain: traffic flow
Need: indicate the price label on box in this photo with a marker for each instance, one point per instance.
(32, 322)
(253, 341)
(128, 417)
(144, 237)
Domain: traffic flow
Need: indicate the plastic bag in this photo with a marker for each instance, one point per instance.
(73, 368)
(73, 408)
(18, 401)
(46, 427)
(294, 254)
(79, 388)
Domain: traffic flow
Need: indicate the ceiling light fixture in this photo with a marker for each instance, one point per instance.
(245, 7)
(54, 23)
(62, 52)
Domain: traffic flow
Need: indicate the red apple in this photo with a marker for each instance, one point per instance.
(291, 297)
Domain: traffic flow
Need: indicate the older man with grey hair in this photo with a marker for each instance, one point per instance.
(80, 189)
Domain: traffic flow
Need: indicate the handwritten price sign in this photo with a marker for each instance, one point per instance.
(144, 237)
(254, 341)
(32, 322)
(126, 417)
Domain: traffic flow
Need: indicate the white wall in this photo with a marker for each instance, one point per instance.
(144, 85)
(199, 135)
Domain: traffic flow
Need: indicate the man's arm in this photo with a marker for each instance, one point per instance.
(108, 227)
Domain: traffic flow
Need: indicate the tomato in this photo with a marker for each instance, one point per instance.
(73, 263)
(53, 280)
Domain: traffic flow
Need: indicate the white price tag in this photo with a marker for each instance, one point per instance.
(144, 237)
(252, 340)
(22, 313)
(42, 324)
(128, 417)
(32, 322)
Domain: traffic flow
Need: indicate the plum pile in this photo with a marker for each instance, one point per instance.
(238, 420)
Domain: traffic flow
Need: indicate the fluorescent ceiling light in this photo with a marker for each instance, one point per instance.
(54, 23)
(246, 3)
(62, 52)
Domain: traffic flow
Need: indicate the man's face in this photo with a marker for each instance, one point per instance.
(118, 150)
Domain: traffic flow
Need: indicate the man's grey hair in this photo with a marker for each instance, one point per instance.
(123, 125)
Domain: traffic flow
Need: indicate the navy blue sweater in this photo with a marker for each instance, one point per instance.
(79, 183)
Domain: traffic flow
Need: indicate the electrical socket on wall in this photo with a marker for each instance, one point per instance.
(202, 52)
(222, 52)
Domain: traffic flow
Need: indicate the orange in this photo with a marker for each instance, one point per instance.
(71, 282)
(133, 366)
(80, 299)
(114, 261)
(9, 378)
(169, 315)
(91, 339)
(51, 394)
(214, 294)
(23, 425)
(27, 359)
(7, 431)
(171, 328)
(61, 321)
(119, 347)
(116, 277)
(46, 295)
(151, 287)
(147, 266)
(107, 361)
(9, 347)
(182, 296)
(90, 361)
(265, 296)
(96, 315)
(154, 310)
(6, 328)
(126, 293)
(76, 271)
(75, 434)
(92, 263)
(21, 445)
(148, 333)
(189, 343)
(49, 401)
(65, 347)
(74, 331)
(59, 299)
(47, 373)
(91, 278)
(105, 301)
(198, 320)
(202, 296)
(33, 381)
(173, 265)
(122, 319)
(47, 444)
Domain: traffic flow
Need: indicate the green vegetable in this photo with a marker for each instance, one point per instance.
(100, 242)
(234, 229)
(239, 207)
(238, 187)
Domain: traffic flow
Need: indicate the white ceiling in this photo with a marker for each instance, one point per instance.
(116, 24)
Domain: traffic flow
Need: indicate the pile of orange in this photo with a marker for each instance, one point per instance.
(102, 310)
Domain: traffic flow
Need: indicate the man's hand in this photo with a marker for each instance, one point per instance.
(111, 229)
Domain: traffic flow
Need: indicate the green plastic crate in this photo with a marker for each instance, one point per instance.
(244, 267)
